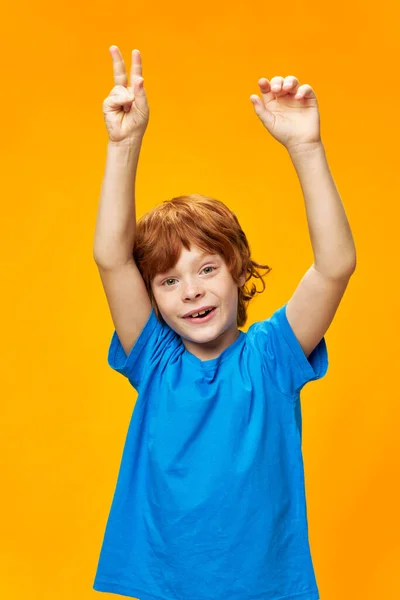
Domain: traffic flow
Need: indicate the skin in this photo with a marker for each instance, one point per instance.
(192, 283)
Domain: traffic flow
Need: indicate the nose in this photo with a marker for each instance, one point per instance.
(192, 291)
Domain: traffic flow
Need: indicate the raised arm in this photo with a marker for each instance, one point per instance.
(126, 114)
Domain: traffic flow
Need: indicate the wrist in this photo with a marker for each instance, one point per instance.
(126, 143)
(305, 148)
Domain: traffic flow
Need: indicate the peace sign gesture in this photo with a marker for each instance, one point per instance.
(126, 111)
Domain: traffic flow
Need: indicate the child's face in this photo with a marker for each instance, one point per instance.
(199, 280)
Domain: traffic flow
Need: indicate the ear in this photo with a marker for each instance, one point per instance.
(242, 279)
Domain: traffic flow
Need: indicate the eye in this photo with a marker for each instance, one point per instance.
(173, 279)
(208, 268)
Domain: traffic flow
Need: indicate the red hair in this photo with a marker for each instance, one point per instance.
(200, 221)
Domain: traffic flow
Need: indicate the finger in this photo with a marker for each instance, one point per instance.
(265, 89)
(120, 76)
(115, 101)
(136, 65)
(262, 111)
(305, 91)
(276, 85)
(291, 85)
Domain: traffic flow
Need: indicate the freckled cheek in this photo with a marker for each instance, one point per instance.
(170, 306)
(161, 304)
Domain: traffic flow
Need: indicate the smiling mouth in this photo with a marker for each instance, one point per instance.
(202, 319)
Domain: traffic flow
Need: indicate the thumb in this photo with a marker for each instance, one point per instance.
(265, 116)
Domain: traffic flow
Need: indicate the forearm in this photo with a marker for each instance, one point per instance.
(331, 237)
(116, 217)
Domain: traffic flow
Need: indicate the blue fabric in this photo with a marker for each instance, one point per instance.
(210, 498)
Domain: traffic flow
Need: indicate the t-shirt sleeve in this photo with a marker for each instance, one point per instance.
(283, 357)
(152, 349)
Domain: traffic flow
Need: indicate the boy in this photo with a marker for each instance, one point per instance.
(210, 498)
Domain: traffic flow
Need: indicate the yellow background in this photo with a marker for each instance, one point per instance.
(65, 413)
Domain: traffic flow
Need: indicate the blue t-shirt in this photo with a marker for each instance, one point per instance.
(210, 500)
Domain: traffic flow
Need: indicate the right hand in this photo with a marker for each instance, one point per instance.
(126, 111)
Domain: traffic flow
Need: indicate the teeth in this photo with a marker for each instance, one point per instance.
(200, 313)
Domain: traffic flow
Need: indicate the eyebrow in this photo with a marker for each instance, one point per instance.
(205, 255)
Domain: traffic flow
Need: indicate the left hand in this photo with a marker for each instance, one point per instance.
(290, 113)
